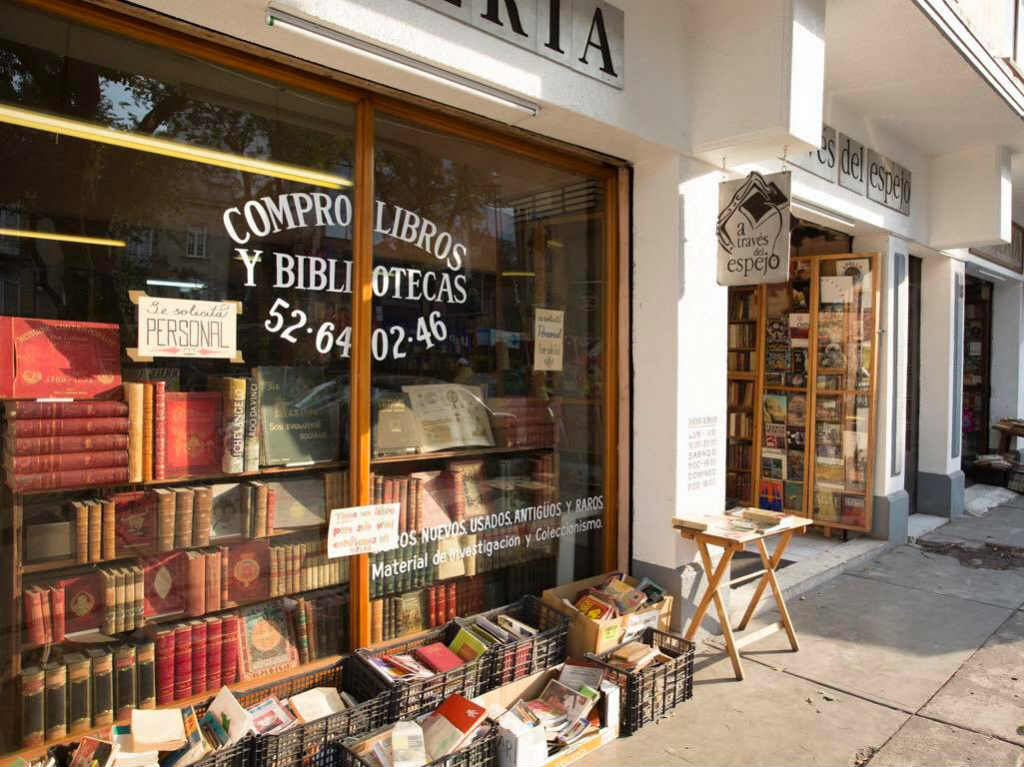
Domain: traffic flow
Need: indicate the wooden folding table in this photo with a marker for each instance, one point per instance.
(724, 531)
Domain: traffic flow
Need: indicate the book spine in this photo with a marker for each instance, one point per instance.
(211, 568)
(165, 509)
(95, 530)
(146, 662)
(79, 699)
(52, 427)
(147, 431)
(453, 608)
(119, 601)
(72, 444)
(124, 675)
(301, 635)
(275, 573)
(195, 592)
(109, 602)
(56, 597)
(134, 394)
(81, 532)
(233, 461)
(108, 532)
(271, 509)
(260, 493)
(80, 409)
(377, 621)
(33, 726)
(184, 499)
(225, 575)
(229, 655)
(200, 680)
(202, 517)
(252, 425)
(182, 661)
(102, 688)
(33, 609)
(44, 601)
(165, 660)
(50, 462)
(139, 587)
(159, 429)
(214, 652)
(55, 706)
(56, 480)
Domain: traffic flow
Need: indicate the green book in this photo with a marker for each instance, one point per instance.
(299, 415)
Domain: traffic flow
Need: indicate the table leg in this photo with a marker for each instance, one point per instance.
(714, 578)
(769, 575)
(759, 591)
(723, 614)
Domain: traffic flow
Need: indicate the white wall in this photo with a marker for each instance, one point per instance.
(1007, 354)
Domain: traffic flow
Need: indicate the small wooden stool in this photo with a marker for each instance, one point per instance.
(720, 532)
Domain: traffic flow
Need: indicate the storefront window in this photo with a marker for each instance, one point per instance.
(488, 279)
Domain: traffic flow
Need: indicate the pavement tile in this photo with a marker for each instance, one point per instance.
(987, 693)
(910, 566)
(1003, 525)
(924, 742)
(729, 722)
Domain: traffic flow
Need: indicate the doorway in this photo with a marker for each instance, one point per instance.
(913, 394)
(977, 369)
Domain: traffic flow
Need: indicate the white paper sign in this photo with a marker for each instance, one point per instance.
(362, 530)
(180, 327)
(753, 230)
(548, 339)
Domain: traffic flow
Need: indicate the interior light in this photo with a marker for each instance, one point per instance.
(518, 274)
(126, 140)
(176, 284)
(61, 237)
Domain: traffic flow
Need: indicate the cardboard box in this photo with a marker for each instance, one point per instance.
(588, 635)
(527, 747)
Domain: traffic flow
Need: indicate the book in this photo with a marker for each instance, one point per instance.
(165, 584)
(135, 523)
(32, 706)
(108, 529)
(134, 394)
(77, 409)
(57, 480)
(145, 686)
(161, 729)
(451, 725)
(236, 721)
(300, 503)
(252, 425)
(230, 643)
(102, 686)
(33, 615)
(249, 571)
(164, 640)
(74, 443)
(466, 645)
(54, 462)
(55, 704)
(42, 358)
(227, 517)
(316, 704)
(408, 748)
(299, 415)
(595, 607)
(438, 657)
(194, 427)
(84, 601)
(450, 415)
(259, 509)
(202, 510)
(81, 531)
(147, 431)
(79, 692)
(195, 583)
(214, 651)
(184, 499)
(159, 429)
(93, 752)
(265, 640)
(95, 511)
(124, 681)
(57, 619)
(195, 743)
(166, 503)
(233, 391)
(182, 661)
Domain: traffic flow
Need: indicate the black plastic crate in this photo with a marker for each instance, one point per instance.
(240, 754)
(308, 743)
(652, 693)
(482, 752)
(409, 699)
(508, 662)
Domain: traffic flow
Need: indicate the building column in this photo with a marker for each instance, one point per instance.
(940, 480)
(1007, 400)
(679, 378)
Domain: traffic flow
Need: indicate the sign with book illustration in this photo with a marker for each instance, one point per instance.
(362, 530)
(180, 327)
(753, 229)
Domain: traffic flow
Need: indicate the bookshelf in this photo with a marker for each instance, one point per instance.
(812, 372)
(977, 368)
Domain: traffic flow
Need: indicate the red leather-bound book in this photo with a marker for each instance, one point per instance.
(200, 683)
(57, 612)
(271, 508)
(54, 427)
(193, 428)
(83, 602)
(135, 522)
(40, 464)
(249, 571)
(33, 606)
(453, 607)
(58, 358)
(431, 607)
(165, 658)
(211, 564)
(229, 654)
(214, 651)
(225, 578)
(182, 661)
(75, 443)
(57, 479)
(103, 408)
(441, 604)
(437, 657)
(159, 429)
(165, 584)
(195, 579)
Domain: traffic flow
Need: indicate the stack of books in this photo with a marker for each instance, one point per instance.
(636, 656)
(196, 657)
(54, 445)
(565, 707)
(614, 598)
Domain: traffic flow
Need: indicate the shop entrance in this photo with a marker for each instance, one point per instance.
(913, 395)
(977, 370)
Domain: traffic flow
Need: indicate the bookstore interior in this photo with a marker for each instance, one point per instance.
(292, 370)
(801, 382)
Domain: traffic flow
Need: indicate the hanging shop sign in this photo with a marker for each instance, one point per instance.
(753, 229)
(585, 35)
(847, 162)
(178, 327)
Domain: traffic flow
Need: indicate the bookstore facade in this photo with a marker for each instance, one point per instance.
(249, 296)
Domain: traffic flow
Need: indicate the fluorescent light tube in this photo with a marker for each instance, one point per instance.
(276, 17)
(817, 210)
(89, 132)
(177, 284)
(61, 237)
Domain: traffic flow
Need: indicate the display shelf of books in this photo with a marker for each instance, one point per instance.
(977, 368)
(741, 450)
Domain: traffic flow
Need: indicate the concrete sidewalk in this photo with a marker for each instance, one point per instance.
(916, 658)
